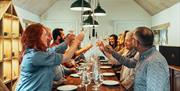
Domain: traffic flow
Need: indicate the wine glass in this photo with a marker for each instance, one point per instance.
(98, 81)
(80, 72)
(86, 79)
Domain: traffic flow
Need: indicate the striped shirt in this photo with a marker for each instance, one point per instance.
(151, 71)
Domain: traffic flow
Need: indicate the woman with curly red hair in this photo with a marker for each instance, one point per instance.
(37, 61)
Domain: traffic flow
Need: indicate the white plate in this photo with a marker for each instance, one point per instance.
(74, 75)
(104, 63)
(105, 67)
(110, 82)
(81, 63)
(108, 74)
(104, 60)
(67, 87)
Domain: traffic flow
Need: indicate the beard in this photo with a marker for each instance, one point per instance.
(61, 40)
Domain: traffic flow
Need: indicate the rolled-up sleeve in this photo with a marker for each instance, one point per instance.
(129, 62)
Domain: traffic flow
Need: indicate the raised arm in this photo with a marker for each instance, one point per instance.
(111, 54)
(61, 48)
(83, 50)
(68, 55)
(53, 58)
(129, 62)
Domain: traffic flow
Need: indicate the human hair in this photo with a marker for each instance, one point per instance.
(124, 36)
(31, 38)
(145, 36)
(115, 37)
(49, 35)
(129, 35)
(56, 33)
(125, 32)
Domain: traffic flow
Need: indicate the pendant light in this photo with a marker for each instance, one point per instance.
(80, 5)
(87, 13)
(99, 11)
(90, 22)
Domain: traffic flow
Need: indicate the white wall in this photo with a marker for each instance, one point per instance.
(117, 11)
(24, 14)
(171, 15)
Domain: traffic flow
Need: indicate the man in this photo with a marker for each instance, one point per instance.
(151, 71)
(58, 36)
(60, 71)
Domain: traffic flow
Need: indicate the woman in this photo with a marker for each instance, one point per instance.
(113, 41)
(37, 62)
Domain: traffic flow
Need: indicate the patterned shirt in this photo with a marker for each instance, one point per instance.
(151, 71)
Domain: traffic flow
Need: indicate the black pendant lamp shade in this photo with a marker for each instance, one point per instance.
(99, 11)
(89, 22)
(87, 13)
(80, 5)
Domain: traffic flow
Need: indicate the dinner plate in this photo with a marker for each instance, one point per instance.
(105, 67)
(108, 74)
(67, 87)
(104, 60)
(74, 75)
(110, 82)
(82, 63)
(105, 63)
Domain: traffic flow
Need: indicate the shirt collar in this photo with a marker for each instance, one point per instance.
(147, 53)
(29, 50)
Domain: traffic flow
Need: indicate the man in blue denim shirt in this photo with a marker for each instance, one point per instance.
(152, 72)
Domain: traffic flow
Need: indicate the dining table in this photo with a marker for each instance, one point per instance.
(77, 81)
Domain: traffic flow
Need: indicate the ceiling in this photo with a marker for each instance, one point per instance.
(155, 6)
(35, 6)
(151, 6)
